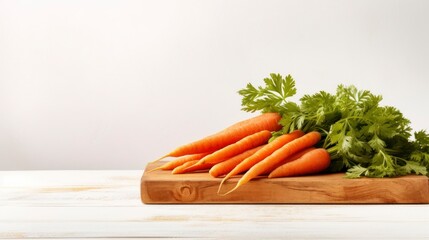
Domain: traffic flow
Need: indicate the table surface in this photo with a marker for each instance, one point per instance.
(106, 205)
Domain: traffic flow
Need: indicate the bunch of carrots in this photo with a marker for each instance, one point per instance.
(244, 148)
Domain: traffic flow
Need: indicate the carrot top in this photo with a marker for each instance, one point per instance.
(363, 137)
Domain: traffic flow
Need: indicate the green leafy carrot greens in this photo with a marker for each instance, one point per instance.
(363, 137)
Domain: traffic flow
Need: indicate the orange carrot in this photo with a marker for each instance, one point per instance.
(179, 169)
(230, 135)
(226, 166)
(287, 150)
(195, 167)
(260, 155)
(179, 161)
(289, 159)
(312, 162)
(249, 142)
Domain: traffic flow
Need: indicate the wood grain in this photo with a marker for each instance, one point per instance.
(164, 187)
(103, 204)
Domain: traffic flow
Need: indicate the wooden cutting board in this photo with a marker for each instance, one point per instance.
(165, 187)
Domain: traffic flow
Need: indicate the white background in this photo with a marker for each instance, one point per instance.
(114, 84)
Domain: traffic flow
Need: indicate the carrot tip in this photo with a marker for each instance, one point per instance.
(167, 155)
(188, 169)
(220, 186)
(178, 171)
(158, 168)
(230, 191)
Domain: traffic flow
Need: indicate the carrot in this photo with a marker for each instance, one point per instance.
(179, 161)
(179, 169)
(230, 135)
(312, 162)
(260, 155)
(195, 167)
(289, 159)
(285, 151)
(242, 145)
(226, 166)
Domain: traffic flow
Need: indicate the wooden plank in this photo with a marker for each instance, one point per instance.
(107, 204)
(70, 188)
(221, 221)
(164, 187)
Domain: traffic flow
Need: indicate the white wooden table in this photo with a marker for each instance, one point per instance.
(106, 204)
